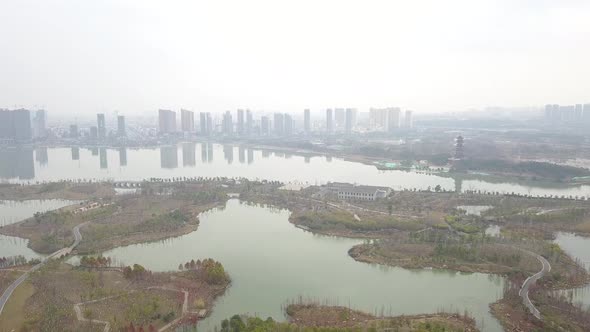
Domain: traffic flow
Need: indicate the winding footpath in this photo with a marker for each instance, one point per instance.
(524, 290)
(64, 251)
(107, 325)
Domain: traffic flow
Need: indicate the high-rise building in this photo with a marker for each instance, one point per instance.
(579, 110)
(288, 124)
(94, 132)
(22, 125)
(101, 125)
(6, 124)
(378, 118)
(227, 124)
(279, 124)
(329, 121)
(408, 123)
(205, 123)
(166, 121)
(40, 124)
(548, 110)
(393, 118)
(187, 120)
(74, 131)
(349, 121)
(568, 112)
(209, 124)
(240, 124)
(264, 126)
(306, 121)
(249, 122)
(555, 112)
(16, 125)
(121, 128)
(340, 117)
(586, 113)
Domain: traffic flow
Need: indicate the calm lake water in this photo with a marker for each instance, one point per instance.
(272, 262)
(577, 247)
(210, 160)
(14, 211)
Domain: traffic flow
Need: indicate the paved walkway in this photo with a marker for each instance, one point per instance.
(524, 290)
(8, 292)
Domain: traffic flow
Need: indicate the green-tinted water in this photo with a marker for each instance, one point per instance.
(271, 262)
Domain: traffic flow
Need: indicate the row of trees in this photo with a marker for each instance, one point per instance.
(100, 261)
(137, 272)
(17, 260)
(209, 269)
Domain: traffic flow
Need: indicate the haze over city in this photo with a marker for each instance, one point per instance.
(428, 56)
(305, 166)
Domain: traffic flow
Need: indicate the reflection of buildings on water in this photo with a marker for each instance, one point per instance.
(122, 156)
(103, 158)
(228, 153)
(288, 156)
(206, 152)
(265, 153)
(203, 153)
(168, 157)
(75, 153)
(242, 154)
(17, 163)
(41, 156)
(250, 156)
(329, 159)
(209, 152)
(458, 185)
(189, 154)
(94, 151)
(307, 159)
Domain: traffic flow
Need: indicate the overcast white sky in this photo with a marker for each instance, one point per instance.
(138, 56)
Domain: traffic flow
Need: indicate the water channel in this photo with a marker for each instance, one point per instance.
(14, 211)
(31, 165)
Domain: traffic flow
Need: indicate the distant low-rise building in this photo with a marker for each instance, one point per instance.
(347, 191)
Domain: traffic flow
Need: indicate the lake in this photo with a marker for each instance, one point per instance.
(28, 165)
(577, 247)
(272, 262)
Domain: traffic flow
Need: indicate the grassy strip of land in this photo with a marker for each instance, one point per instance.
(120, 220)
(316, 318)
(56, 190)
(557, 312)
(439, 249)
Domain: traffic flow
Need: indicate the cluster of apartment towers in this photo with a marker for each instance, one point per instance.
(567, 113)
(22, 124)
(99, 132)
(281, 124)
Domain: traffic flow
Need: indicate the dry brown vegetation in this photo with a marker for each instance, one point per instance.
(312, 315)
(120, 220)
(58, 287)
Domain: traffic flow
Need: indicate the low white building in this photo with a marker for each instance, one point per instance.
(347, 191)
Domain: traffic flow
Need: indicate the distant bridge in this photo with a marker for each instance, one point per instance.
(127, 184)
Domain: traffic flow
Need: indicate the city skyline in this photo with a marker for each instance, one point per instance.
(459, 54)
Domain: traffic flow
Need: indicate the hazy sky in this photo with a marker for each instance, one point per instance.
(137, 56)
